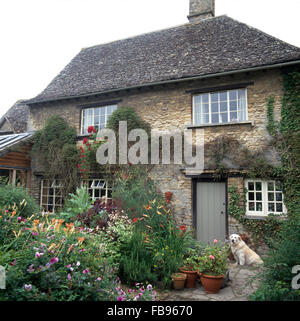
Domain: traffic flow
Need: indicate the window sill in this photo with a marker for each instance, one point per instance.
(223, 124)
(263, 217)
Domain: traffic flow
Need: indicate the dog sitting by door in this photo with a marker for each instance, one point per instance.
(243, 255)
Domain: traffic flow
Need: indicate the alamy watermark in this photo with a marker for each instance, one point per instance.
(2, 278)
(138, 153)
(296, 278)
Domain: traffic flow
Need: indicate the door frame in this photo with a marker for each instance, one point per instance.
(207, 178)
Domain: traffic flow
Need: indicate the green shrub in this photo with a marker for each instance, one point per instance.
(11, 196)
(136, 260)
(76, 204)
(283, 255)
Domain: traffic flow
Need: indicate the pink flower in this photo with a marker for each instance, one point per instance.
(215, 241)
(86, 271)
(211, 257)
(27, 287)
(54, 260)
(13, 262)
(37, 254)
(69, 277)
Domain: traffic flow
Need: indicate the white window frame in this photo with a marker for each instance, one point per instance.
(210, 123)
(55, 185)
(265, 211)
(106, 116)
(94, 184)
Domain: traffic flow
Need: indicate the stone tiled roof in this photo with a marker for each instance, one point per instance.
(17, 117)
(212, 46)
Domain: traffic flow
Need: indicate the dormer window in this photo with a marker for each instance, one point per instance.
(96, 116)
(228, 106)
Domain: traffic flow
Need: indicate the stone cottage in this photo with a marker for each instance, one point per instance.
(213, 73)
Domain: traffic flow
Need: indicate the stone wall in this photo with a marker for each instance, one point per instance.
(169, 107)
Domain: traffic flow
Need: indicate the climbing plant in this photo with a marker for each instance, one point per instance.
(55, 149)
(287, 143)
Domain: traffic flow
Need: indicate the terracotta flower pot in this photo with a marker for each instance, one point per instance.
(191, 277)
(211, 283)
(178, 280)
(168, 195)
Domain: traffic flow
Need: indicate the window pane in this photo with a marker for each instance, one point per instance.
(242, 94)
(251, 206)
(270, 196)
(224, 117)
(223, 96)
(233, 116)
(251, 196)
(214, 97)
(279, 207)
(223, 106)
(278, 197)
(205, 98)
(197, 100)
(232, 95)
(258, 186)
(205, 118)
(258, 196)
(205, 108)
(215, 118)
(271, 207)
(233, 106)
(259, 207)
(250, 186)
(278, 186)
(270, 186)
(214, 107)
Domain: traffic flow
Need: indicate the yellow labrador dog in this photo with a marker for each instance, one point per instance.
(242, 253)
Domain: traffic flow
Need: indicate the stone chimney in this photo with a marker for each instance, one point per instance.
(201, 9)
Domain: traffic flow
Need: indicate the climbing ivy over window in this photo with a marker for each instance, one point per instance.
(287, 142)
(55, 149)
(261, 230)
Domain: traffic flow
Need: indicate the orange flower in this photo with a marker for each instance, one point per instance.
(70, 248)
(148, 207)
(36, 222)
(13, 213)
(80, 239)
(134, 220)
(69, 225)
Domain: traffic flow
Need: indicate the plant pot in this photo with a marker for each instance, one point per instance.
(168, 195)
(211, 283)
(191, 277)
(178, 280)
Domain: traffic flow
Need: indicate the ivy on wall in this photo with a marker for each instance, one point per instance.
(287, 142)
(55, 149)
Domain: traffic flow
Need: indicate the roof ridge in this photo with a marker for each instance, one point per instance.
(156, 31)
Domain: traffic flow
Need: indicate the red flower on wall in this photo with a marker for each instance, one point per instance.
(91, 129)
(183, 228)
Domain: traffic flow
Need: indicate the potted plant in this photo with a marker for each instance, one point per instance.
(168, 195)
(212, 266)
(178, 280)
(190, 267)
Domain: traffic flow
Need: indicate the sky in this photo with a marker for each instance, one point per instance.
(38, 38)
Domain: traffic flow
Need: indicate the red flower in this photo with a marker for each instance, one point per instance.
(183, 228)
(134, 220)
(90, 129)
(168, 201)
(85, 140)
